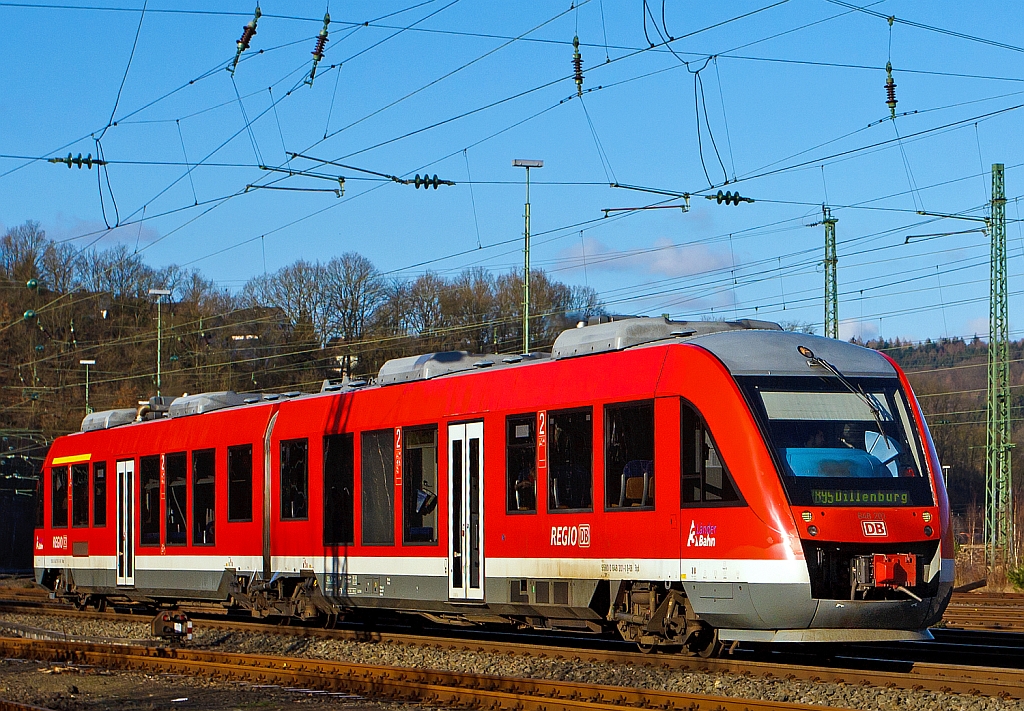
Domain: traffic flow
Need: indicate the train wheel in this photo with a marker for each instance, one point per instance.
(646, 647)
(706, 643)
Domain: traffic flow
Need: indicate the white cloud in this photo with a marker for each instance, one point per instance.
(87, 231)
(977, 327)
(856, 328)
(663, 258)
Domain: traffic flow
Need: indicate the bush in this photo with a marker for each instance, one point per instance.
(1015, 576)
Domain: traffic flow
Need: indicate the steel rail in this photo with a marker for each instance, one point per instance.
(962, 679)
(439, 688)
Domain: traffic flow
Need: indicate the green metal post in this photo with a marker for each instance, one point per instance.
(998, 474)
(831, 287)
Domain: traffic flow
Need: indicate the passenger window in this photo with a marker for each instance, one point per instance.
(204, 469)
(80, 495)
(99, 494)
(240, 483)
(176, 469)
(419, 482)
(570, 460)
(59, 497)
(629, 455)
(294, 479)
(521, 463)
(339, 481)
(40, 507)
(149, 473)
(378, 486)
(705, 480)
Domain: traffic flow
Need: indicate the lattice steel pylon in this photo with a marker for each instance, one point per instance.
(998, 473)
(831, 286)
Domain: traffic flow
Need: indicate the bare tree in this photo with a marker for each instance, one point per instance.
(353, 290)
(21, 251)
(298, 290)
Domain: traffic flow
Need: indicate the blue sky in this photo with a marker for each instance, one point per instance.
(795, 107)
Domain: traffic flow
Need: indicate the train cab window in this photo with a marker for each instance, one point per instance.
(705, 480)
(570, 460)
(339, 483)
(294, 480)
(80, 495)
(203, 496)
(99, 494)
(149, 473)
(521, 463)
(378, 485)
(176, 470)
(240, 483)
(629, 456)
(419, 482)
(59, 497)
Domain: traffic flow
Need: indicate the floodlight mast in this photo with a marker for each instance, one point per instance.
(526, 163)
(87, 363)
(159, 294)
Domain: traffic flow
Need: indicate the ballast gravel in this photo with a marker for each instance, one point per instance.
(467, 661)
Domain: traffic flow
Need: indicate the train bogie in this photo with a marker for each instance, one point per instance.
(682, 483)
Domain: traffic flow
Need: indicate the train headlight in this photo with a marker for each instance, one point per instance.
(926, 516)
(813, 530)
(928, 531)
(807, 516)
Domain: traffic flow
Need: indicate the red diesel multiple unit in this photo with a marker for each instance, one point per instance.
(687, 483)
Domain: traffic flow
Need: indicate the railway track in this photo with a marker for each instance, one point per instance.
(986, 612)
(436, 688)
(861, 665)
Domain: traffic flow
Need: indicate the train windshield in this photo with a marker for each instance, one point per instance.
(837, 447)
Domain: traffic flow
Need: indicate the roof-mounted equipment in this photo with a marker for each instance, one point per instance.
(204, 402)
(108, 418)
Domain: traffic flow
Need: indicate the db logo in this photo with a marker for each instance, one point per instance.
(584, 535)
(874, 528)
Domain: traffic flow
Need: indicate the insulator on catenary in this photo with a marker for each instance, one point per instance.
(79, 161)
(318, 51)
(890, 90)
(427, 182)
(729, 198)
(248, 32)
(577, 65)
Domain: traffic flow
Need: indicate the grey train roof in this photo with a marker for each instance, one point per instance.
(745, 346)
(775, 353)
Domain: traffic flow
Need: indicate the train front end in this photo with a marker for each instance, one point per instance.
(863, 487)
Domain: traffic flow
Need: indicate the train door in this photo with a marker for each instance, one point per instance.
(465, 511)
(126, 522)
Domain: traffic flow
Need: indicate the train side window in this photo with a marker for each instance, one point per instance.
(40, 507)
(80, 495)
(204, 469)
(629, 455)
(149, 491)
(99, 494)
(176, 470)
(378, 487)
(419, 482)
(705, 479)
(240, 483)
(59, 497)
(295, 480)
(521, 463)
(570, 460)
(339, 482)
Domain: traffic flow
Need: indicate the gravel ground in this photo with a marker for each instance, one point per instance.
(70, 688)
(781, 690)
